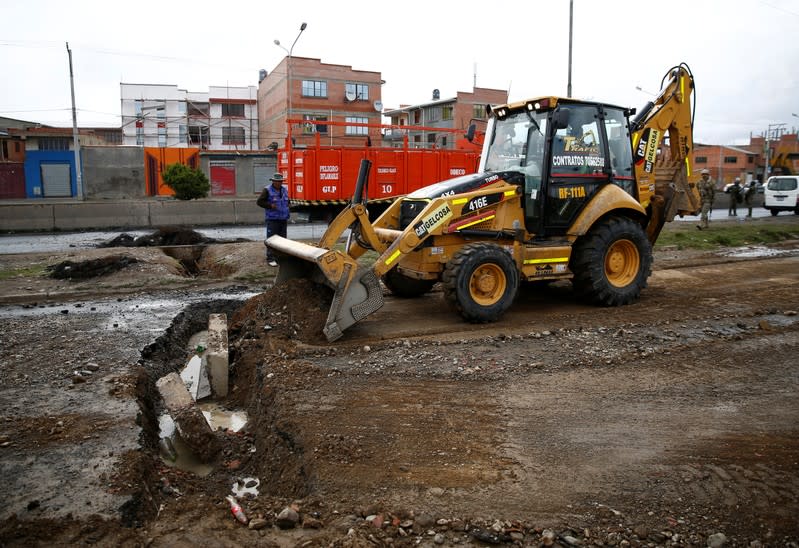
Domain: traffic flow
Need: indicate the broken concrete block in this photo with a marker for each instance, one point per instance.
(189, 420)
(195, 377)
(216, 354)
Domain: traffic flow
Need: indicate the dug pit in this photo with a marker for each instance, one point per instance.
(257, 440)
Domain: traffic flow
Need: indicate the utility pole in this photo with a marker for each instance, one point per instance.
(75, 140)
(571, 20)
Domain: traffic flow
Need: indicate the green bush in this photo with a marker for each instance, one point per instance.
(188, 183)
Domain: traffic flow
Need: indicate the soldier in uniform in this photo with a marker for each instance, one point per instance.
(707, 191)
(749, 196)
(735, 197)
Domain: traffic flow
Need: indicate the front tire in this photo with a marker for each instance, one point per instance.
(404, 286)
(480, 282)
(612, 262)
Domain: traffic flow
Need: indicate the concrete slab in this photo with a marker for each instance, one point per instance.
(189, 419)
(216, 354)
(195, 377)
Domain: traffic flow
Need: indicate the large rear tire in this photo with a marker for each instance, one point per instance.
(403, 286)
(612, 262)
(480, 282)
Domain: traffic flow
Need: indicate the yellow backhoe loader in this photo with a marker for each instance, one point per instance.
(566, 189)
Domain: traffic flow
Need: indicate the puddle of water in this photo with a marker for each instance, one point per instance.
(185, 459)
(219, 417)
(755, 251)
(172, 444)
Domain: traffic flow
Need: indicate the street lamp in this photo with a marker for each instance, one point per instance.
(288, 65)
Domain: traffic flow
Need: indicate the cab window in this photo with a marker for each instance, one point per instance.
(619, 148)
(578, 147)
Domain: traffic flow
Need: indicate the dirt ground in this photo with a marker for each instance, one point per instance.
(672, 421)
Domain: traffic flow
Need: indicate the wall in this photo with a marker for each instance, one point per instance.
(111, 173)
(50, 215)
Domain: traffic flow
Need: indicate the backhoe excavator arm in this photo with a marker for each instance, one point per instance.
(663, 184)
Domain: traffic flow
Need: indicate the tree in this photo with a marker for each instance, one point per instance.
(188, 183)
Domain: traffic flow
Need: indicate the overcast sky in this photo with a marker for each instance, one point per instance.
(744, 54)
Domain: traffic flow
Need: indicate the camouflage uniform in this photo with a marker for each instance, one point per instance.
(735, 197)
(707, 191)
(749, 196)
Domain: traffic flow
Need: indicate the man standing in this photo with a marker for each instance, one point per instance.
(735, 197)
(275, 200)
(706, 194)
(749, 196)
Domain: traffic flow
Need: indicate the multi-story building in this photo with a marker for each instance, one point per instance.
(304, 89)
(453, 113)
(725, 163)
(162, 115)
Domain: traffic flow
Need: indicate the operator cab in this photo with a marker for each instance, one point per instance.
(564, 150)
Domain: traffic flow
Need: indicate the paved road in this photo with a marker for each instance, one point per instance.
(27, 243)
(60, 241)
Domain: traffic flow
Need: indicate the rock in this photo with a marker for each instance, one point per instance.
(641, 532)
(516, 536)
(571, 541)
(311, 523)
(439, 538)
(423, 521)
(77, 379)
(287, 519)
(436, 491)
(716, 540)
(790, 312)
(258, 523)
(547, 537)
(91, 366)
(765, 325)
(489, 537)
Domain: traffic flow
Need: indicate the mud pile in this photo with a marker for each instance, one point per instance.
(71, 270)
(165, 236)
(296, 309)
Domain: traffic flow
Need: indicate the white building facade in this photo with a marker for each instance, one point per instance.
(163, 115)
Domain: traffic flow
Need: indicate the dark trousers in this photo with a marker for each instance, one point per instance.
(275, 227)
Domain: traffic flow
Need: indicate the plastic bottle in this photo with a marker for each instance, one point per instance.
(236, 510)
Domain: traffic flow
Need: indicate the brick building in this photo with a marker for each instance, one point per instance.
(450, 113)
(301, 88)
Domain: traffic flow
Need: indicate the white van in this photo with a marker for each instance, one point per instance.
(782, 194)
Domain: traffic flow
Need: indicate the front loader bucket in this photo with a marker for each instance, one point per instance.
(356, 290)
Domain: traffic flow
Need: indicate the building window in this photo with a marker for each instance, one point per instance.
(233, 110)
(357, 130)
(479, 112)
(161, 136)
(431, 138)
(232, 135)
(701, 159)
(730, 159)
(359, 91)
(182, 108)
(182, 133)
(160, 113)
(198, 135)
(433, 114)
(308, 128)
(17, 147)
(54, 143)
(446, 112)
(137, 107)
(417, 117)
(314, 88)
(139, 135)
(198, 109)
(750, 159)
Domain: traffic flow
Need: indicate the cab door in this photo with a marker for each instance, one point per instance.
(578, 165)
